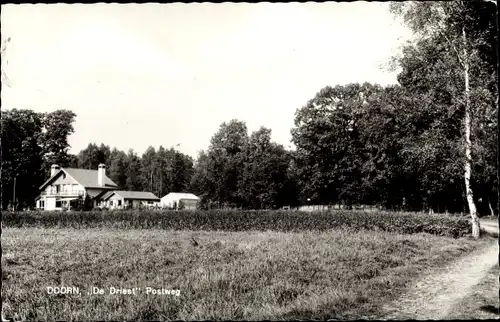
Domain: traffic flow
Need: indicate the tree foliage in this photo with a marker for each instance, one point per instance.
(30, 142)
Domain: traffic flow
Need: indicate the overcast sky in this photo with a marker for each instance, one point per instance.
(152, 74)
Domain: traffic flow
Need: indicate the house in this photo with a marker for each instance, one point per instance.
(69, 187)
(176, 199)
(119, 199)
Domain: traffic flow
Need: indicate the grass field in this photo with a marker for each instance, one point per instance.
(252, 275)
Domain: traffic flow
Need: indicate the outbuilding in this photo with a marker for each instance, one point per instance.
(180, 200)
(120, 199)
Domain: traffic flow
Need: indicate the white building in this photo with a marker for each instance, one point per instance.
(67, 187)
(119, 199)
(176, 199)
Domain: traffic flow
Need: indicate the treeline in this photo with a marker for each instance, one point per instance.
(365, 144)
(237, 170)
(427, 143)
(30, 143)
(157, 170)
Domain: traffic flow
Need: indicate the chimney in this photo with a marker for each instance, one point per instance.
(53, 169)
(101, 173)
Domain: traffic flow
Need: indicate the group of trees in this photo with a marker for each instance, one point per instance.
(244, 171)
(237, 170)
(428, 142)
(456, 70)
(159, 171)
(30, 143)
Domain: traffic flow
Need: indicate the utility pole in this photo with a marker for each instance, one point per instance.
(14, 203)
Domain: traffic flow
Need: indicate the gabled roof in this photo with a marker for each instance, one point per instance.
(87, 178)
(97, 193)
(181, 195)
(136, 195)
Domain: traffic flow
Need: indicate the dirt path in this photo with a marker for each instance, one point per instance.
(489, 226)
(433, 296)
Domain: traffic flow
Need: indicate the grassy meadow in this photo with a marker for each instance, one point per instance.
(341, 273)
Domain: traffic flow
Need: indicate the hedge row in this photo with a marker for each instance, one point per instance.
(407, 223)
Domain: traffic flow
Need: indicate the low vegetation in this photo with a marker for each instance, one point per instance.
(252, 275)
(285, 221)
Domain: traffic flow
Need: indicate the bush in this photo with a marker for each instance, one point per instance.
(231, 220)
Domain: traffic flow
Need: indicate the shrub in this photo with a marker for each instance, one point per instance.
(231, 220)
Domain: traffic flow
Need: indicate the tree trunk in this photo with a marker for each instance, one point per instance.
(491, 208)
(468, 145)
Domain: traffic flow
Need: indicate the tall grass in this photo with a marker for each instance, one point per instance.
(217, 220)
(337, 274)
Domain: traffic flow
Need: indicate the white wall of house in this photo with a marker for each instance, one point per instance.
(55, 202)
(56, 195)
(50, 204)
(40, 203)
(115, 202)
(64, 186)
(189, 204)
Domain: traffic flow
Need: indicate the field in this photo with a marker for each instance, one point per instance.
(284, 221)
(341, 273)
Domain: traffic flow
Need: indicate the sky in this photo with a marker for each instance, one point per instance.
(140, 75)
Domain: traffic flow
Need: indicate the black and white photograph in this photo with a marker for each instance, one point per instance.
(250, 161)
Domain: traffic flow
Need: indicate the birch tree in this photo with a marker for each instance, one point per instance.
(467, 31)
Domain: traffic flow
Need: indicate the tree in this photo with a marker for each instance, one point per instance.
(31, 142)
(463, 34)
(216, 174)
(264, 175)
(181, 171)
(225, 155)
(72, 161)
(329, 153)
(21, 157)
(201, 184)
(382, 128)
(148, 168)
(133, 166)
(58, 125)
(118, 168)
(164, 174)
(93, 155)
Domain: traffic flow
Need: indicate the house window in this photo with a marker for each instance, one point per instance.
(58, 188)
(119, 202)
(58, 203)
(42, 203)
(150, 202)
